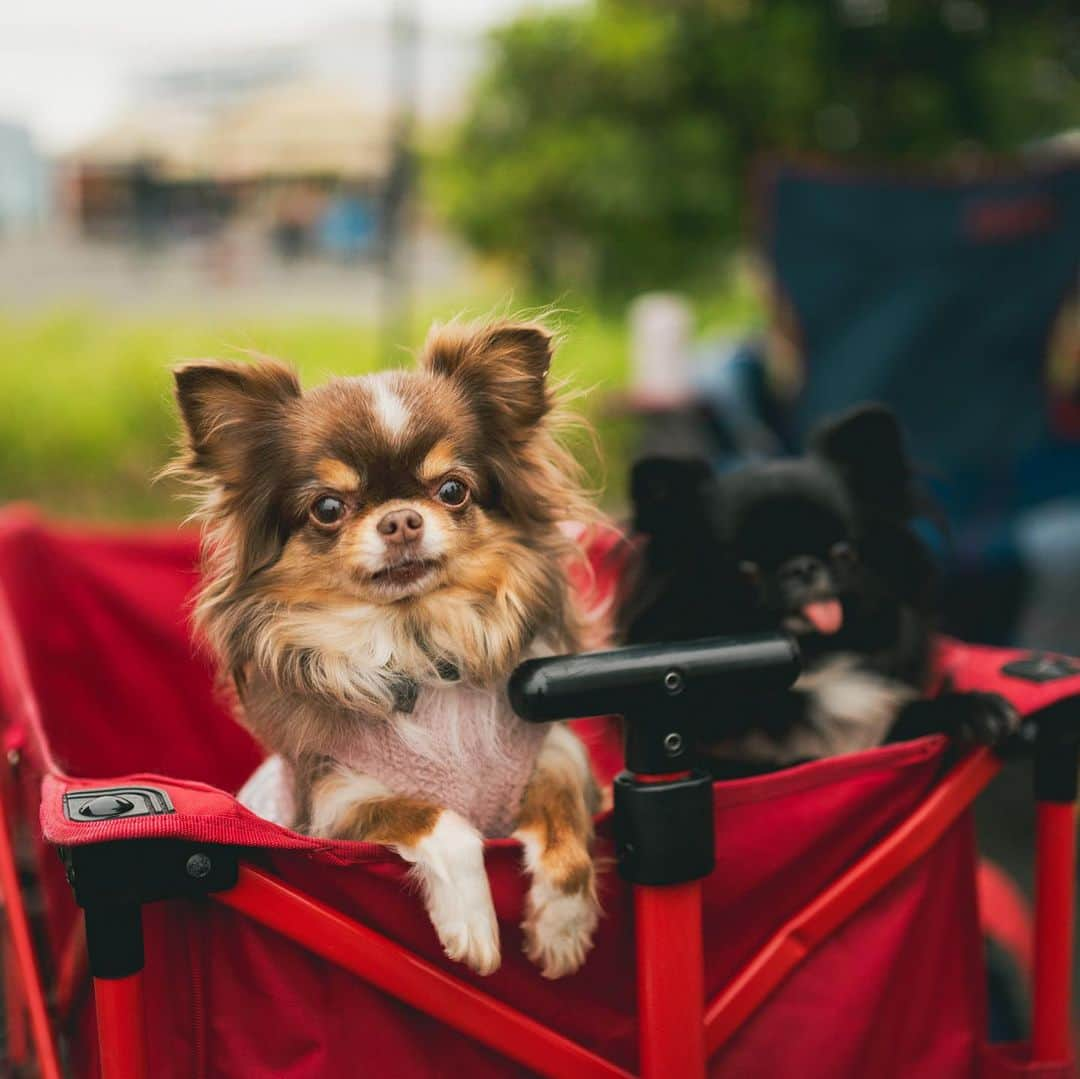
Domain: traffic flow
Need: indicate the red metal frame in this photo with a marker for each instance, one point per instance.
(1055, 891)
(671, 981)
(18, 1043)
(32, 993)
(72, 973)
(121, 1027)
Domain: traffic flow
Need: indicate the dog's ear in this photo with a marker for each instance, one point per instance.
(866, 447)
(232, 413)
(666, 491)
(501, 366)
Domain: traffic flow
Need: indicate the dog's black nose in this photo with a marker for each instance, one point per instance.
(805, 571)
(401, 526)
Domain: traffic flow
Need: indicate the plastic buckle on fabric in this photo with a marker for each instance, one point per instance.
(113, 803)
(1041, 667)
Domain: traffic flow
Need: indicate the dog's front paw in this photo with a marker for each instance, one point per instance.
(984, 719)
(450, 867)
(559, 927)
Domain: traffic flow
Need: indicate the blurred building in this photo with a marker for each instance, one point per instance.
(302, 140)
(24, 181)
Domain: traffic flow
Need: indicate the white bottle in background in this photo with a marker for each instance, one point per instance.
(661, 325)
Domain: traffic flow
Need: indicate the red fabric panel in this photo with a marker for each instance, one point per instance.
(971, 667)
(120, 687)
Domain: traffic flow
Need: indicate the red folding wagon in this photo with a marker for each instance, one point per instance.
(820, 921)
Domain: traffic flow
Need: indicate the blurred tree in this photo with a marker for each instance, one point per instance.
(608, 146)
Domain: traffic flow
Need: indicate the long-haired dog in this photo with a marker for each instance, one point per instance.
(821, 547)
(379, 554)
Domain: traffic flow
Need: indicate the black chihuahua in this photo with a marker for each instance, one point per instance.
(820, 547)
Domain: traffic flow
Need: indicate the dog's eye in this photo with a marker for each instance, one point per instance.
(842, 552)
(452, 493)
(328, 510)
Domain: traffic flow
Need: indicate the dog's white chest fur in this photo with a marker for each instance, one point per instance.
(851, 710)
(461, 747)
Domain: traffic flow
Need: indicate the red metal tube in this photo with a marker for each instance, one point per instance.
(121, 1027)
(671, 980)
(1055, 888)
(33, 994)
(407, 977)
(72, 972)
(18, 1045)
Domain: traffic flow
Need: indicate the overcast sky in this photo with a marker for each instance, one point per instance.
(65, 65)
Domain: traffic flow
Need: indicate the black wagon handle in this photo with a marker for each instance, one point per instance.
(657, 689)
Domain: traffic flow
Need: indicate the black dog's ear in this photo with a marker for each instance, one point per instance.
(866, 446)
(664, 489)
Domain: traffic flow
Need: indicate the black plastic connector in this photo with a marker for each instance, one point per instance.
(1057, 752)
(146, 870)
(114, 940)
(664, 830)
(112, 880)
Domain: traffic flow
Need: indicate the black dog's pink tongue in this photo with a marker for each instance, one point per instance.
(826, 616)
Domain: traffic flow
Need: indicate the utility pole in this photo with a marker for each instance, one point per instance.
(396, 233)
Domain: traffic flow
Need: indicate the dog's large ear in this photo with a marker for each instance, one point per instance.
(501, 366)
(666, 491)
(866, 447)
(231, 414)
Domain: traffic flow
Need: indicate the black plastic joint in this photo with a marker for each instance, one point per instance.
(1057, 752)
(114, 940)
(1056, 767)
(664, 829)
(113, 880)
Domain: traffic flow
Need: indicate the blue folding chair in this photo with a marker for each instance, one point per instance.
(955, 303)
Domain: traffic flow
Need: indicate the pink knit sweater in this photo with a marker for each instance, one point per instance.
(460, 748)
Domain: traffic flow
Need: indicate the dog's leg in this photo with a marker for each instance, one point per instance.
(445, 849)
(555, 828)
(973, 718)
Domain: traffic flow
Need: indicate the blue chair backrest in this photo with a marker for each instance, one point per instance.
(937, 298)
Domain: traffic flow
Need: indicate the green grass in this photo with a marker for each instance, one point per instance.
(87, 419)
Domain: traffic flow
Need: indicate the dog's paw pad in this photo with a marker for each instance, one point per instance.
(559, 932)
(471, 938)
(990, 719)
(478, 951)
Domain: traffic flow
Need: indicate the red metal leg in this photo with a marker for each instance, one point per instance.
(30, 978)
(1055, 889)
(121, 1027)
(72, 973)
(671, 980)
(18, 1045)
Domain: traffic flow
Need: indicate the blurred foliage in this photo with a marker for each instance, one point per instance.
(608, 147)
(90, 421)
